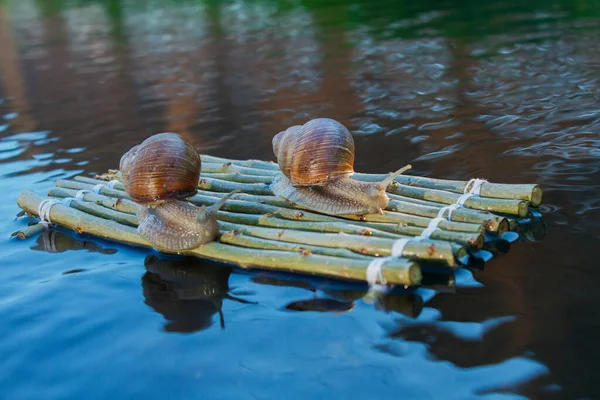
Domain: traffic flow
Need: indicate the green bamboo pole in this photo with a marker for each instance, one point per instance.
(407, 207)
(396, 271)
(238, 239)
(505, 206)
(69, 184)
(403, 224)
(437, 251)
(532, 193)
(237, 177)
(259, 164)
(427, 250)
(123, 205)
(274, 222)
(230, 168)
(29, 231)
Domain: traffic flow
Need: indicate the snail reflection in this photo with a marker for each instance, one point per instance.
(188, 292)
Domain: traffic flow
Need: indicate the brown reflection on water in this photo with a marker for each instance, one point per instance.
(12, 80)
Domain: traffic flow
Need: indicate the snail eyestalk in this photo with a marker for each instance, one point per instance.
(215, 207)
(387, 181)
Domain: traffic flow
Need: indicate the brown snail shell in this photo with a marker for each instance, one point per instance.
(158, 175)
(315, 153)
(316, 161)
(163, 167)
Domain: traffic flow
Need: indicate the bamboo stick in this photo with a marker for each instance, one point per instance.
(123, 205)
(532, 193)
(472, 239)
(238, 239)
(230, 168)
(396, 271)
(505, 206)
(259, 164)
(405, 221)
(428, 250)
(237, 177)
(29, 231)
(492, 223)
(436, 250)
(274, 222)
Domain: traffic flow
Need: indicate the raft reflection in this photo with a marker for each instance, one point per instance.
(53, 241)
(188, 292)
(336, 297)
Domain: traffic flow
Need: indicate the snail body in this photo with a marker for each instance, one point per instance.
(316, 162)
(159, 175)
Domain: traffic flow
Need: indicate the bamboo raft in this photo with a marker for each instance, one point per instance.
(429, 223)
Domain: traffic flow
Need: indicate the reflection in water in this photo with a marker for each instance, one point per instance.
(342, 297)
(321, 305)
(54, 241)
(187, 292)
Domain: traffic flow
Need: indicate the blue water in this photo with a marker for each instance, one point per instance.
(506, 91)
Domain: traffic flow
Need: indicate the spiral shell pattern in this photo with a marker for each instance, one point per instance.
(163, 167)
(315, 153)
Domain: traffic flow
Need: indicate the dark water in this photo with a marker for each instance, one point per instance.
(505, 90)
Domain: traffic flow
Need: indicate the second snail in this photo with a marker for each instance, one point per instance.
(316, 162)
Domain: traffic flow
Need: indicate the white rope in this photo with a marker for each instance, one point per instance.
(449, 208)
(81, 194)
(44, 210)
(112, 183)
(433, 225)
(67, 201)
(96, 189)
(374, 272)
(476, 188)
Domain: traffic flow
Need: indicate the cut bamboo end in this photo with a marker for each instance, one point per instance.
(537, 196)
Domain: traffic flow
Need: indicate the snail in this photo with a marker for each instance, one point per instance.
(159, 175)
(316, 162)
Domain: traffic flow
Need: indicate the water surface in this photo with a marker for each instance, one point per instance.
(506, 91)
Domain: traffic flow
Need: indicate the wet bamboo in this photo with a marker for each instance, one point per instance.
(505, 206)
(237, 177)
(238, 239)
(532, 193)
(123, 205)
(428, 250)
(436, 250)
(29, 231)
(396, 271)
(404, 205)
(402, 223)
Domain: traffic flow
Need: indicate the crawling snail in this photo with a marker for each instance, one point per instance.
(317, 161)
(159, 175)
